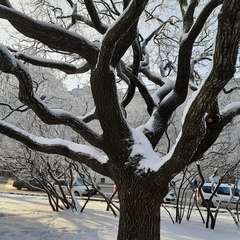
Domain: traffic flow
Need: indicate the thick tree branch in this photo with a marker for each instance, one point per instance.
(180, 91)
(201, 20)
(90, 116)
(152, 76)
(83, 19)
(224, 60)
(185, 50)
(142, 89)
(63, 66)
(97, 24)
(131, 86)
(80, 153)
(5, 3)
(135, 72)
(51, 35)
(113, 46)
(11, 65)
(212, 133)
(144, 68)
(188, 13)
(114, 35)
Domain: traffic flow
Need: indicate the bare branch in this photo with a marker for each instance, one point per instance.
(227, 91)
(18, 109)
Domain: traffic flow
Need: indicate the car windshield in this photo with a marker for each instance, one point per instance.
(84, 181)
(78, 184)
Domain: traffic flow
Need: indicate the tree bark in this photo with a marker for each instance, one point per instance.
(146, 221)
(140, 211)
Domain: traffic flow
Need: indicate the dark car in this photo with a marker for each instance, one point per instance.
(3, 179)
(32, 184)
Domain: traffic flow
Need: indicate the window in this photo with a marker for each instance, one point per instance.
(223, 191)
(207, 189)
(62, 183)
(236, 192)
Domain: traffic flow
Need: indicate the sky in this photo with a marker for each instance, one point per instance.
(3, 34)
(29, 217)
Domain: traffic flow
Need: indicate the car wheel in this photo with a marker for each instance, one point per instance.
(76, 193)
(19, 188)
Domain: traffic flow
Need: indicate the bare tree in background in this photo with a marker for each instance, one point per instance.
(116, 52)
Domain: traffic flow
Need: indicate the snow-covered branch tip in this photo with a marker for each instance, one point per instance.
(54, 146)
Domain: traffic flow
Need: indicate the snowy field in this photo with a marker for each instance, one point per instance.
(27, 217)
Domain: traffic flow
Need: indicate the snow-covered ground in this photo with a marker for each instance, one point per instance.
(29, 217)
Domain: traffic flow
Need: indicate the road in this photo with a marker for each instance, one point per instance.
(106, 189)
(7, 187)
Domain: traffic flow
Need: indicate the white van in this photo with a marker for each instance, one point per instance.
(225, 193)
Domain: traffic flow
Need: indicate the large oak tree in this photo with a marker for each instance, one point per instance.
(119, 151)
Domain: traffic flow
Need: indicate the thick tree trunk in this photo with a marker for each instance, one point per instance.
(139, 215)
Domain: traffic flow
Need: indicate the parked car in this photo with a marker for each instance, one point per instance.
(169, 198)
(32, 184)
(78, 188)
(3, 179)
(226, 193)
(81, 181)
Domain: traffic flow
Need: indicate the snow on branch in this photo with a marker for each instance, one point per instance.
(231, 109)
(27, 96)
(163, 91)
(54, 146)
(63, 66)
(150, 159)
(51, 35)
